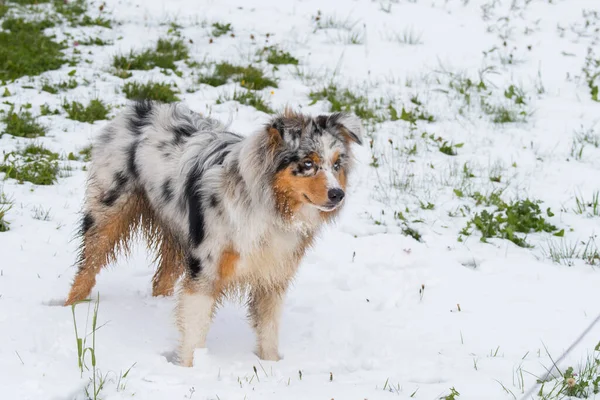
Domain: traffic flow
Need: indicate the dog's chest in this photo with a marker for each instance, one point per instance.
(273, 258)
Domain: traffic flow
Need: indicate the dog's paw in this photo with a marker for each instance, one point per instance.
(272, 355)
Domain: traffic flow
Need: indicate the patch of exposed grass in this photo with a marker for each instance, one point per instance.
(453, 395)
(5, 206)
(566, 253)
(96, 110)
(410, 115)
(588, 136)
(220, 29)
(249, 77)
(590, 208)
(513, 108)
(507, 221)
(166, 53)
(150, 90)
(502, 113)
(591, 72)
(84, 155)
(59, 87)
(41, 214)
(28, 2)
(22, 124)
(407, 37)
(516, 94)
(356, 36)
(333, 22)
(277, 56)
(96, 41)
(46, 110)
(346, 100)
(450, 148)
(582, 382)
(249, 98)
(25, 50)
(412, 232)
(75, 13)
(34, 164)
(3, 10)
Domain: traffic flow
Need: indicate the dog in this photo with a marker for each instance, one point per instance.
(225, 213)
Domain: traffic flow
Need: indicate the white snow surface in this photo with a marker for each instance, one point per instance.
(354, 318)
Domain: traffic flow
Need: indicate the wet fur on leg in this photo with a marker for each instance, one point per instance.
(229, 214)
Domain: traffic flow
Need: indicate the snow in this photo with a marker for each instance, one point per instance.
(355, 317)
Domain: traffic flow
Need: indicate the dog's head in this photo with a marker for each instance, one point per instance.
(312, 158)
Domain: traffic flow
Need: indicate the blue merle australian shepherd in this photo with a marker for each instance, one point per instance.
(228, 214)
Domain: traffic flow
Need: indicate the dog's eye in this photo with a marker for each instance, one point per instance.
(308, 164)
(337, 165)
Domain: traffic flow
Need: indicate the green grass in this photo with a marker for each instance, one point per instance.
(410, 116)
(46, 110)
(516, 94)
(407, 37)
(25, 50)
(164, 55)
(94, 41)
(220, 29)
(345, 100)
(591, 71)
(75, 13)
(450, 149)
(502, 113)
(96, 110)
(333, 22)
(59, 87)
(581, 382)
(150, 90)
(248, 77)
(565, 253)
(3, 10)
(5, 206)
(509, 221)
(28, 2)
(22, 124)
(86, 153)
(248, 98)
(412, 232)
(276, 56)
(452, 396)
(589, 208)
(4, 224)
(34, 164)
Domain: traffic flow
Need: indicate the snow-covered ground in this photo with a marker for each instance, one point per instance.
(373, 313)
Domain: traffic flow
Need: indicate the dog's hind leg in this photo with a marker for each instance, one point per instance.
(105, 230)
(170, 266)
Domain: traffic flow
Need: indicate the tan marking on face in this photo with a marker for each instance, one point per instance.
(291, 191)
(314, 157)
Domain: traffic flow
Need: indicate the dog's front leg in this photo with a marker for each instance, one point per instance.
(194, 315)
(265, 313)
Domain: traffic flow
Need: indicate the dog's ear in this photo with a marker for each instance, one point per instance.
(349, 125)
(276, 128)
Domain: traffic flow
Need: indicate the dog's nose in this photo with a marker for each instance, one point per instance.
(335, 195)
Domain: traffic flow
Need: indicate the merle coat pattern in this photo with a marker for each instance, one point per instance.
(229, 214)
